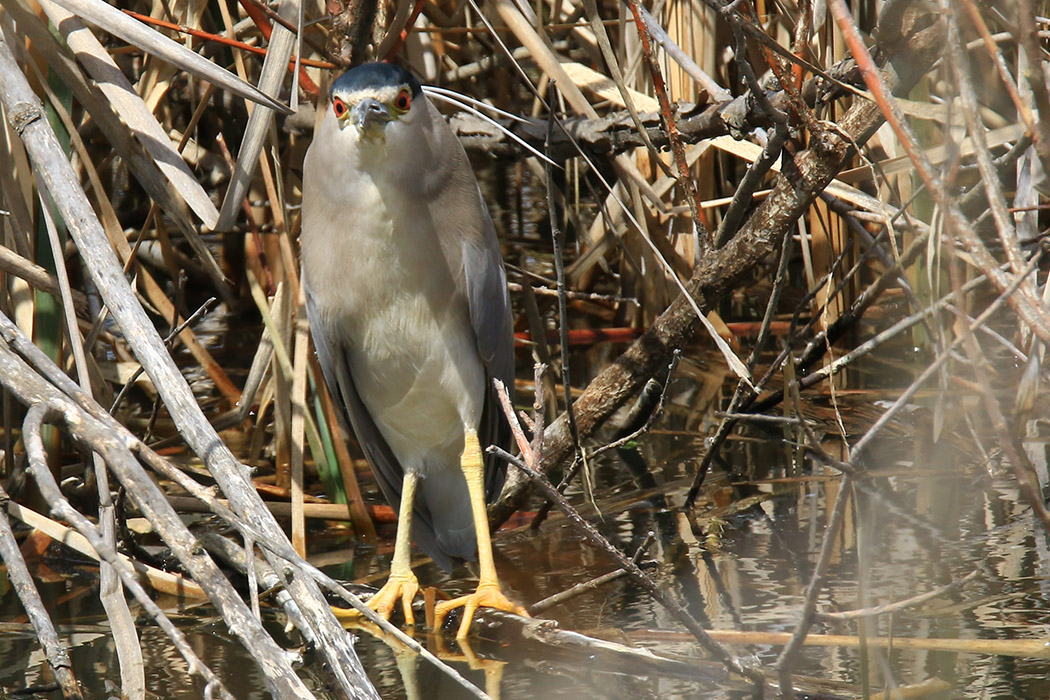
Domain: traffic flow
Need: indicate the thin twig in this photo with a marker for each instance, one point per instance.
(169, 339)
(651, 387)
(1028, 306)
(220, 39)
(887, 608)
(728, 421)
(526, 465)
(591, 584)
(557, 242)
(60, 507)
(908, 393)
(915, 48)
(655, 413)
(33, 604)
(1017, 459)
(685, 177)
(145, 489)
(790, 652)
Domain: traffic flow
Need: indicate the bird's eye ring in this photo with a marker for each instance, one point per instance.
(403, 101)
(339, 107)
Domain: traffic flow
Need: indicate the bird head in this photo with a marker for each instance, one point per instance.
(369, 99)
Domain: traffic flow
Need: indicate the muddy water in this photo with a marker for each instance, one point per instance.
(937, 513)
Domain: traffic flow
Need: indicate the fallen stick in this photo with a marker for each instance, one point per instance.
(161, 581)
(322, 511)
(915, 690)
(1037, 648)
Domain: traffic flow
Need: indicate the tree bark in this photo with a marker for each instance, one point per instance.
(912, 44)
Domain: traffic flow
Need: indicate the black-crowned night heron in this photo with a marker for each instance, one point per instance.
(407, 301)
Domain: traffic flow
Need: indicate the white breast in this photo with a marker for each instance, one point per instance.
(383, 287)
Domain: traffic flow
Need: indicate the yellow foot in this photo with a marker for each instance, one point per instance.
(403, 588)
(488, 595)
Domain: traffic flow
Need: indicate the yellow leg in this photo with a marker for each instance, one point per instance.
(402, 584)
(488, 593)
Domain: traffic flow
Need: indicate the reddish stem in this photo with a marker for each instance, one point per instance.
(266, 28)
(403, 34)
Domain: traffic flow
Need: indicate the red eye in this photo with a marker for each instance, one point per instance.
(339, 107)
(403, 100)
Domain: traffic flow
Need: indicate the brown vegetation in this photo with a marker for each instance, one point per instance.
(841, 179)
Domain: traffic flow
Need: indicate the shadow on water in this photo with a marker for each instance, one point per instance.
(930, 514)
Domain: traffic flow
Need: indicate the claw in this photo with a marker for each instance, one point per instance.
(487, 595)
(398, 587)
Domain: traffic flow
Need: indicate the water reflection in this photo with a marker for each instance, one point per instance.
(742, 561)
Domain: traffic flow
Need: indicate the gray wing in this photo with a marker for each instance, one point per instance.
(385, 466)
(490, 316)
(467, 233)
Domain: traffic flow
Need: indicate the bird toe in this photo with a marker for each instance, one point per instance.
(487, 595)
(383, 602)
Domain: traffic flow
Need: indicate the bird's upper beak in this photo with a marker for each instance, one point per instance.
(370, 115)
